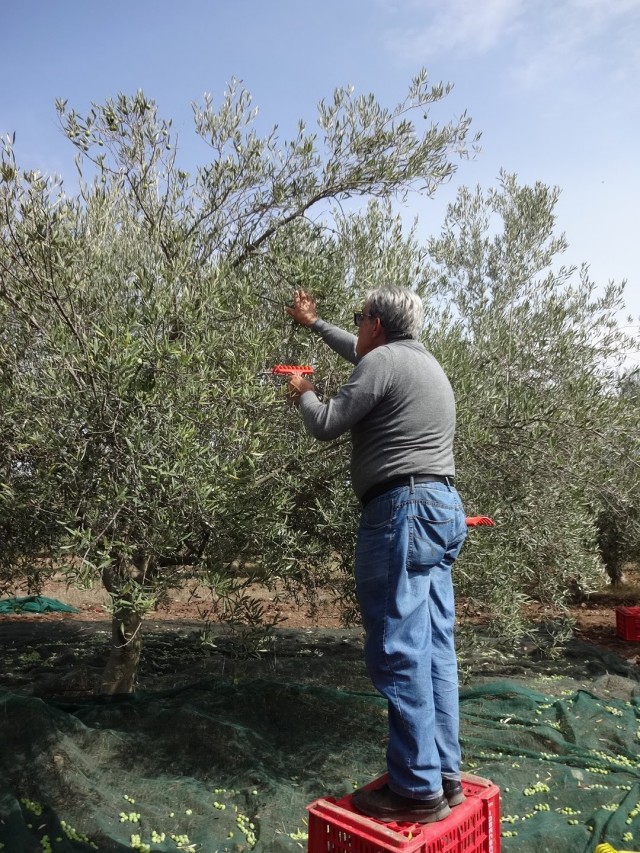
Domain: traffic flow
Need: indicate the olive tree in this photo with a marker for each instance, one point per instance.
(534, 352)
(617, 507)
(142, 443)
(547, 437)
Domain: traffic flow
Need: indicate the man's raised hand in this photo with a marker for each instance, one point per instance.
(303, 310)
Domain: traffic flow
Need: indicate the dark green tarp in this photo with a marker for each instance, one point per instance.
(229, 764)
(34, 604)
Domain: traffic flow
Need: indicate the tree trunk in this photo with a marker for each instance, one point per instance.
(126, 638)
(126, 647)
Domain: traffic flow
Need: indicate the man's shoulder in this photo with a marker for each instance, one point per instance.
(405, 348)
(378, 357)
(410, 354)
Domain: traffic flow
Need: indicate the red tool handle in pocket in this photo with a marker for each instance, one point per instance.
(480, 521)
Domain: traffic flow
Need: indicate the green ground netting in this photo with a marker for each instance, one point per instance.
(34, 604)
(231, 764)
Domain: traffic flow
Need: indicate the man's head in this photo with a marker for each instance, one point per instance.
(389, 314)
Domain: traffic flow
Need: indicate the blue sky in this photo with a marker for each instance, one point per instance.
(551, 84)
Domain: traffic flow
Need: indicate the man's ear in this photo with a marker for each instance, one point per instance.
(378, 328)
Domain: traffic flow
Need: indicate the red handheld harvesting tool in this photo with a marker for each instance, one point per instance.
(291, 370)
(480, 521)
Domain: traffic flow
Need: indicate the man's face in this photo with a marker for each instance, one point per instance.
(368, 333)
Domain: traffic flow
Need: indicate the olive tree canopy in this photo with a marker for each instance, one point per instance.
(139, 435)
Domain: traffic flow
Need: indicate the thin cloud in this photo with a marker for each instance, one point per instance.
(459, 27)
(582, 36)
(538, 43)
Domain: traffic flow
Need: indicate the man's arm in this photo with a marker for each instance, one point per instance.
(344, 343)
(365, 388)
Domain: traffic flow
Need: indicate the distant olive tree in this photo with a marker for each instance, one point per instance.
(617, 507)
(142, 442)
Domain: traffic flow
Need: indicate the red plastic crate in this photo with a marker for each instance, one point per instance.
(628, 623)
(472, 827)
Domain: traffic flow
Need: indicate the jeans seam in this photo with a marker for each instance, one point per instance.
(390, 670)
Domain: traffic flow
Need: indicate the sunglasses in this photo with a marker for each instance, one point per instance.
(358, 317)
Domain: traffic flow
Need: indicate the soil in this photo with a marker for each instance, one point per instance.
(58, 653)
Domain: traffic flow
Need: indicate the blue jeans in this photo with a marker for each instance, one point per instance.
(408, 540)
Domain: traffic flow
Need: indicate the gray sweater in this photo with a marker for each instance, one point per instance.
(398, 404)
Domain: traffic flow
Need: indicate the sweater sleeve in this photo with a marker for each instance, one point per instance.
(344, 343)
(364, 389)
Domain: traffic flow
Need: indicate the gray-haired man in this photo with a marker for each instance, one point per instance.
(399, 406)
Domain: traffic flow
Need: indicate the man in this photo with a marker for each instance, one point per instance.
(400, 409)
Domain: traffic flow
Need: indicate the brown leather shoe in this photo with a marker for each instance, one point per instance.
(385, 805)
(453, 791)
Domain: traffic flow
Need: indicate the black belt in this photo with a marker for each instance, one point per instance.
(398, 482)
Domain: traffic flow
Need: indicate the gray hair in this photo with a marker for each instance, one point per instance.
(400, 311)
